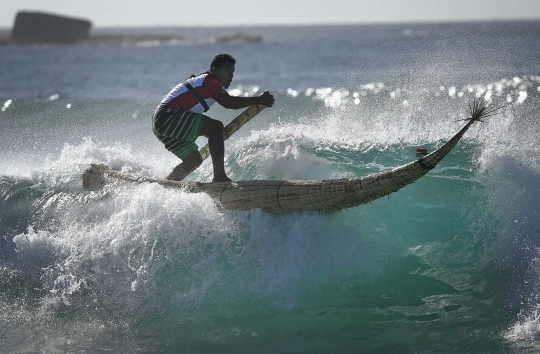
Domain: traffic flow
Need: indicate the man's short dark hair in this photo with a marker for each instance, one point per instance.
(221, 59)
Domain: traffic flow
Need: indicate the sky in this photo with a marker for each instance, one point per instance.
(137, 13)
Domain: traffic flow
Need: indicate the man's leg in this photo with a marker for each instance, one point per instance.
(189, 164)
(213, 129)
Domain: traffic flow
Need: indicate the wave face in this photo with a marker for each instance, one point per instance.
(449, 263)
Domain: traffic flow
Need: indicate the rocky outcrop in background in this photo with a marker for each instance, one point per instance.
(38, 27)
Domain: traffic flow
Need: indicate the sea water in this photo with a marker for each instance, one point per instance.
(448, 264)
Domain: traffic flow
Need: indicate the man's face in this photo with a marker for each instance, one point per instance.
(225, 74)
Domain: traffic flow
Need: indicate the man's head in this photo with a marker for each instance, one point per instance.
(223, 67)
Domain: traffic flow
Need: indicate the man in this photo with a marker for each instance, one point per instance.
(178, 120)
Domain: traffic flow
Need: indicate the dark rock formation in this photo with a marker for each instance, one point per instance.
(37, 27)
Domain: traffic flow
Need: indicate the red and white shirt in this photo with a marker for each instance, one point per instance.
(207, 86)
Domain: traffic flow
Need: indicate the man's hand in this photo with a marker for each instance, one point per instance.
(267, 99)
(237, 102)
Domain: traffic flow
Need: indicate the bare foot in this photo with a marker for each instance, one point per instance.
(221, 179)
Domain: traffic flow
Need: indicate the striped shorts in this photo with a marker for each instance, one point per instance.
(177, 129)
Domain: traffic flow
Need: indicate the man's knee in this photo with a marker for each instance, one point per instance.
(212, 127)
(217, 127)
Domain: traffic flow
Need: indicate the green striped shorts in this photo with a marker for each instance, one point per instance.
(177, 129)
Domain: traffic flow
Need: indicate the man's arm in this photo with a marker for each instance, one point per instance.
(234, 102)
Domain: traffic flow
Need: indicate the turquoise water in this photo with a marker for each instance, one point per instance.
(448, 264)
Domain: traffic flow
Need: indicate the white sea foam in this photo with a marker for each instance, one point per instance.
(527, 329)
(121, 245)
(124, 248)
(109, 243)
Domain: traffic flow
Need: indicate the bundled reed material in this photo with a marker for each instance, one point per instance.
(281, 196)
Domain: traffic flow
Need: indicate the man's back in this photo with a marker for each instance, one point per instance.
(206, 85)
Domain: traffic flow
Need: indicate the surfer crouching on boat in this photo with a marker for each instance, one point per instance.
(178, 120)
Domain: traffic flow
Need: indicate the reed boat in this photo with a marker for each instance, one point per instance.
(285, 196)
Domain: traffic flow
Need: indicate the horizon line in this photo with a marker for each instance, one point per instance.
(313, 24)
